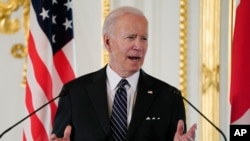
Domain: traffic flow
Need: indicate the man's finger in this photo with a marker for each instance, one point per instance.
(180, 127)
(53, 137)
(191, 131)
(67, 132)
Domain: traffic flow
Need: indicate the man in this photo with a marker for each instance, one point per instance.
(154, 109)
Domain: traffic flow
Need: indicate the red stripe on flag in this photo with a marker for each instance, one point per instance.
(63, 67)
(240, 71)
(42, 74)
(24, 137)
(37, 128)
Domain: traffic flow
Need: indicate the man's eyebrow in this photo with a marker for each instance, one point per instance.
(131, 34)
(135, 34)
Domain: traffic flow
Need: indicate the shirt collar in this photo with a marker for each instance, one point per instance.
(114, 78)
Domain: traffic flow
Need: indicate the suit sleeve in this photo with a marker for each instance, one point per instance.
(180, 110)
(63, 115)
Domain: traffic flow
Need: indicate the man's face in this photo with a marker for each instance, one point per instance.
(127, 44)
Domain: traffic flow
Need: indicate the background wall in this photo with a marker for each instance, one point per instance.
(162, 59)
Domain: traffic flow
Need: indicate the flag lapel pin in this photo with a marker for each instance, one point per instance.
(150, 92)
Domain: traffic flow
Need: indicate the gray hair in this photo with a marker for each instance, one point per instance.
(112, 16)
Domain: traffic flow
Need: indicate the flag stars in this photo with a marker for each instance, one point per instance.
(54, 2)
(53, 38)
(67, 24)
(44, 13)
(54, 19)
(68, 5)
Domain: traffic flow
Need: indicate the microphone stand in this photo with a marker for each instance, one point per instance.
(7, 130)
(206, 118)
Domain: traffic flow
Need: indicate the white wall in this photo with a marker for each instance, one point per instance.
(12, 94)
(162, 59)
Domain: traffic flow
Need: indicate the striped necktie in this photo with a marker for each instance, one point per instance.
(119, 113)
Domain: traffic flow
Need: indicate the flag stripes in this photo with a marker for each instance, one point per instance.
(42, 74)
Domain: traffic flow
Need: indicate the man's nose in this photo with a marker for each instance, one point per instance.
(138, 45)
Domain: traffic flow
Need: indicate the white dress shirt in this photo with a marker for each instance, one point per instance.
(112, 81)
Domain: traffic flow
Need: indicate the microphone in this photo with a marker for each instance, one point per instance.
(63, 93)
(218, 129)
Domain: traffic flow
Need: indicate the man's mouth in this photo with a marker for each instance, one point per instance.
(134, 58)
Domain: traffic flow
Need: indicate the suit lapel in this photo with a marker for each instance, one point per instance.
(144, 99)
(98, 95)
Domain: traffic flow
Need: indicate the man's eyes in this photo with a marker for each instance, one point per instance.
(133, 37)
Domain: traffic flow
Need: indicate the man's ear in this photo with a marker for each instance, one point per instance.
(106, 41)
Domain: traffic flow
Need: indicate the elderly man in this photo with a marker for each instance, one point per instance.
(121, 102)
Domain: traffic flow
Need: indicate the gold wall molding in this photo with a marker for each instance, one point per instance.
(210, 78)
(8, 25)
(183, 46)
(105, 12)
(209, 66)
(11, 26)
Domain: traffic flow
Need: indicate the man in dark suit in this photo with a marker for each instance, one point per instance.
(154, 109)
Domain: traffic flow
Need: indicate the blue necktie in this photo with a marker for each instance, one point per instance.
(119, 113)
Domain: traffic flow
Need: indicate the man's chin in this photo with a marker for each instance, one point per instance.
(135, 69)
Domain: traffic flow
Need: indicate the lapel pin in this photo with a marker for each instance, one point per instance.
(150, 92)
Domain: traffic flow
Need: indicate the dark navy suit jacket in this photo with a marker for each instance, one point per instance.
(157, 109)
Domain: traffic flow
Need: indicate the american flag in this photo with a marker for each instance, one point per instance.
(50, 63)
